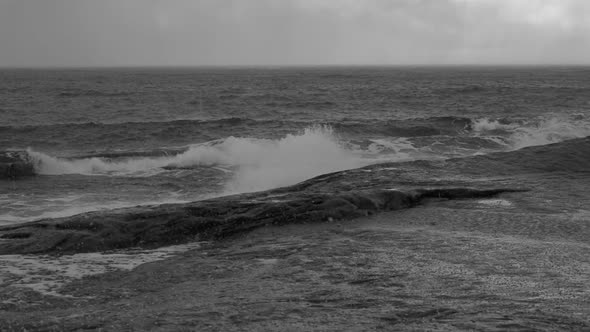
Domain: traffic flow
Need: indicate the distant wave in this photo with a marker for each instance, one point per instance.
(552, 128)
(159, 128)
(95, 136)
(445, 125)
(70, 93)
(467, 88)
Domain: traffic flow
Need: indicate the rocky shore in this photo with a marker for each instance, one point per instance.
(461, 265)
(489, 243)
(161, 225)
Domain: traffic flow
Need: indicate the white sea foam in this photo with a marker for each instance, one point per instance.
(539, 131)
(485, 124)
(18, 213)
(495, 202)
(401, 146)
(49, 165)
(47, 274)
(549, 131)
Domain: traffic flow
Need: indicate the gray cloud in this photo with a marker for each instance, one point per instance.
(291, 32)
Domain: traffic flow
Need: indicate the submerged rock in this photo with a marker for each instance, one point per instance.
(15, 164)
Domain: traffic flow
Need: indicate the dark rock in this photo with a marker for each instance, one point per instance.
(213, 219)
(15, 164)
(15, 235)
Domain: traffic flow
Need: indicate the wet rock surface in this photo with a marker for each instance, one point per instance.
(208, 220)
(477, 244)
(417, 269)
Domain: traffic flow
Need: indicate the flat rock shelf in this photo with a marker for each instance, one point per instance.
(486, 243)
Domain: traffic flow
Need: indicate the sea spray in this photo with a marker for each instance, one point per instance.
(292, 159)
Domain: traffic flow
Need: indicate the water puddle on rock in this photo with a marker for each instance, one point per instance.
(495, 202)
(47, 274)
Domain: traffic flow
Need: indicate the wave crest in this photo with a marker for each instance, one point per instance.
(533, 132)
(259, 163)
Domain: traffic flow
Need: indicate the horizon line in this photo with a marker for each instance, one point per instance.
(294, 66)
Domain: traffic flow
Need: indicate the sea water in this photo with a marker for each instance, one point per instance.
(110, 138)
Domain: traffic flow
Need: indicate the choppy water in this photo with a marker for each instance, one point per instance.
(112, 138)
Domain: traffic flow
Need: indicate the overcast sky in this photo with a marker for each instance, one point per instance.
(293, 32)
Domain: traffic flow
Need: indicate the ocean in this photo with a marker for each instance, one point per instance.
(100, 139)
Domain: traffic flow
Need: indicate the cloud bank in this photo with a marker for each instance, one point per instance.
(293, 32)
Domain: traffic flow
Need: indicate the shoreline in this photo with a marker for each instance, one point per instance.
(431, 267)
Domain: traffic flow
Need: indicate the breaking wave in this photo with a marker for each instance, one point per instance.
(259, 163)
(541, 131)
(263, 163)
